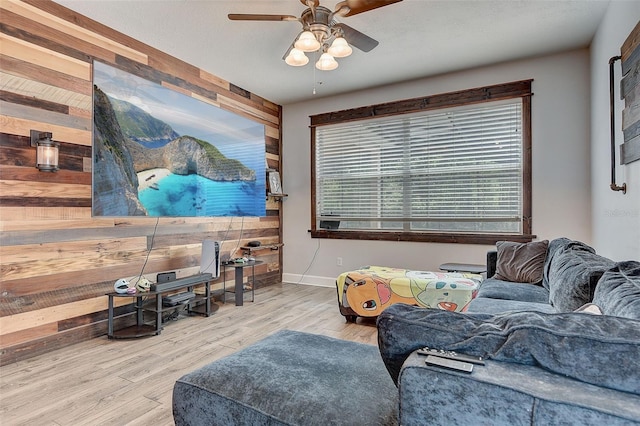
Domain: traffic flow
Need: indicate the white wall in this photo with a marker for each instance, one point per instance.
(561, 168)
(616, 216)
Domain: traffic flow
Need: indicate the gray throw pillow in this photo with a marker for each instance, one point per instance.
(618, 291)
(597, 349)
(554, 245)
(573, 274)
(521, 262)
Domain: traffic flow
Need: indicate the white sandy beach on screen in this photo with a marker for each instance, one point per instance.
(146, 178)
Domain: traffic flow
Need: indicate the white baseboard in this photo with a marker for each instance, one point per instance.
(309, 280)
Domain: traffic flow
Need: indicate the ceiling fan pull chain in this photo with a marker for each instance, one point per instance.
(314, 76)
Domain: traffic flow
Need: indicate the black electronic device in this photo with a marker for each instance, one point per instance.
(253, 244)
(451, 355)
(178, 299)
(327, 223)
(450, 364)
(164, 277)
(181, 282)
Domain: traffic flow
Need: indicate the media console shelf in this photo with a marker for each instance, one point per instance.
(141, 329)
(250, 250)
(277, 197)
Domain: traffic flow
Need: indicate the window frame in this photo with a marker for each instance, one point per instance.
(518, 89)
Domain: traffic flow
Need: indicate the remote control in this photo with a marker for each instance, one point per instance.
(450, 364)
(451, 355)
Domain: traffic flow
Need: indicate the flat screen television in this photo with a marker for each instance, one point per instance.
(159, 152)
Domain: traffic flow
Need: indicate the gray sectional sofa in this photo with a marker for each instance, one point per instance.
(559, 329)
(557, 325)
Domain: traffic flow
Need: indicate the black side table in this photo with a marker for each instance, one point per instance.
(239, 278)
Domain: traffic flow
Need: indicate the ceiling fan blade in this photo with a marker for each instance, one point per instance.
(356, 38)
(314, 3)
(353, 7)
(258, 17)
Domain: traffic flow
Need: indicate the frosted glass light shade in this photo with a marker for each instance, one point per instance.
(326, 63)
(307, 42)
(47, 156)
(340, 48)
(46, 151)
(296, 58)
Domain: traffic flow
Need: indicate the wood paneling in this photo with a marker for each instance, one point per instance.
(56, 260)
(630, 92)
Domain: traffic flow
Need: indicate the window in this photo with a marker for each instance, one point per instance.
(453, 167)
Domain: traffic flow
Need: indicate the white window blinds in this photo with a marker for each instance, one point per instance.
(448, 170)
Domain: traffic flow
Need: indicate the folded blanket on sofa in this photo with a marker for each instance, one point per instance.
(598, 349)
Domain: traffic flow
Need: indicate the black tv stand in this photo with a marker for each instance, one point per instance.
(201, 304)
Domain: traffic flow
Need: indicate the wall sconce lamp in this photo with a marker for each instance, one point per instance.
(46, 152)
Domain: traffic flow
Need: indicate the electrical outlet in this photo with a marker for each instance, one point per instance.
(339, 261)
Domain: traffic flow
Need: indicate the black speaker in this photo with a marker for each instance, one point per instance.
(164, 277)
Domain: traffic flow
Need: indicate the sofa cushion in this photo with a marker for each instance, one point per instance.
(618, 290)
(554, 245)
(573, 274)
(597, 349)
(521, 262)
(497, 289)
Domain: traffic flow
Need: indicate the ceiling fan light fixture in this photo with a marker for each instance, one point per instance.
(307, 42)
(340, 48)
(296, 58)
(326, 63)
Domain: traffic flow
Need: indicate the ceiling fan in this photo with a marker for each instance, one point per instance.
(321, 32)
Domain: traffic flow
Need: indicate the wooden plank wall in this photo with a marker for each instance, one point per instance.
(630, 92)
(57, 261)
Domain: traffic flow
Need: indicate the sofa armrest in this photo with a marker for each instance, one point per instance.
(492, 260)
(504, 393)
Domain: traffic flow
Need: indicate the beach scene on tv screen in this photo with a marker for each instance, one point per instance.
(159, 152)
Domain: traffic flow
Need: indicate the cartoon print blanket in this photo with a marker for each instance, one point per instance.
(366, 292)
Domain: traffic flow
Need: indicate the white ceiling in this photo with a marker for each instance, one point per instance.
(417, 38)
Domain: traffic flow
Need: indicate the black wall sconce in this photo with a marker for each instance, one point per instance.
(46, 152)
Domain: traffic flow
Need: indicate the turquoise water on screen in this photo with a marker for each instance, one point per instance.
(193, 195)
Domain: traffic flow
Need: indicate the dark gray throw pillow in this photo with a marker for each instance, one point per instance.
(521, 262)
(597, 349)
(618, 290)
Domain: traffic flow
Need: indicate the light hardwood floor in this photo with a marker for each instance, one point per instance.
(118, 382)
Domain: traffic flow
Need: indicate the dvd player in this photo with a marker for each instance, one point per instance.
(178, 299)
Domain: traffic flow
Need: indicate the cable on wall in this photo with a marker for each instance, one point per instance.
(313, 259)
(240, 236)
(153, 237)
